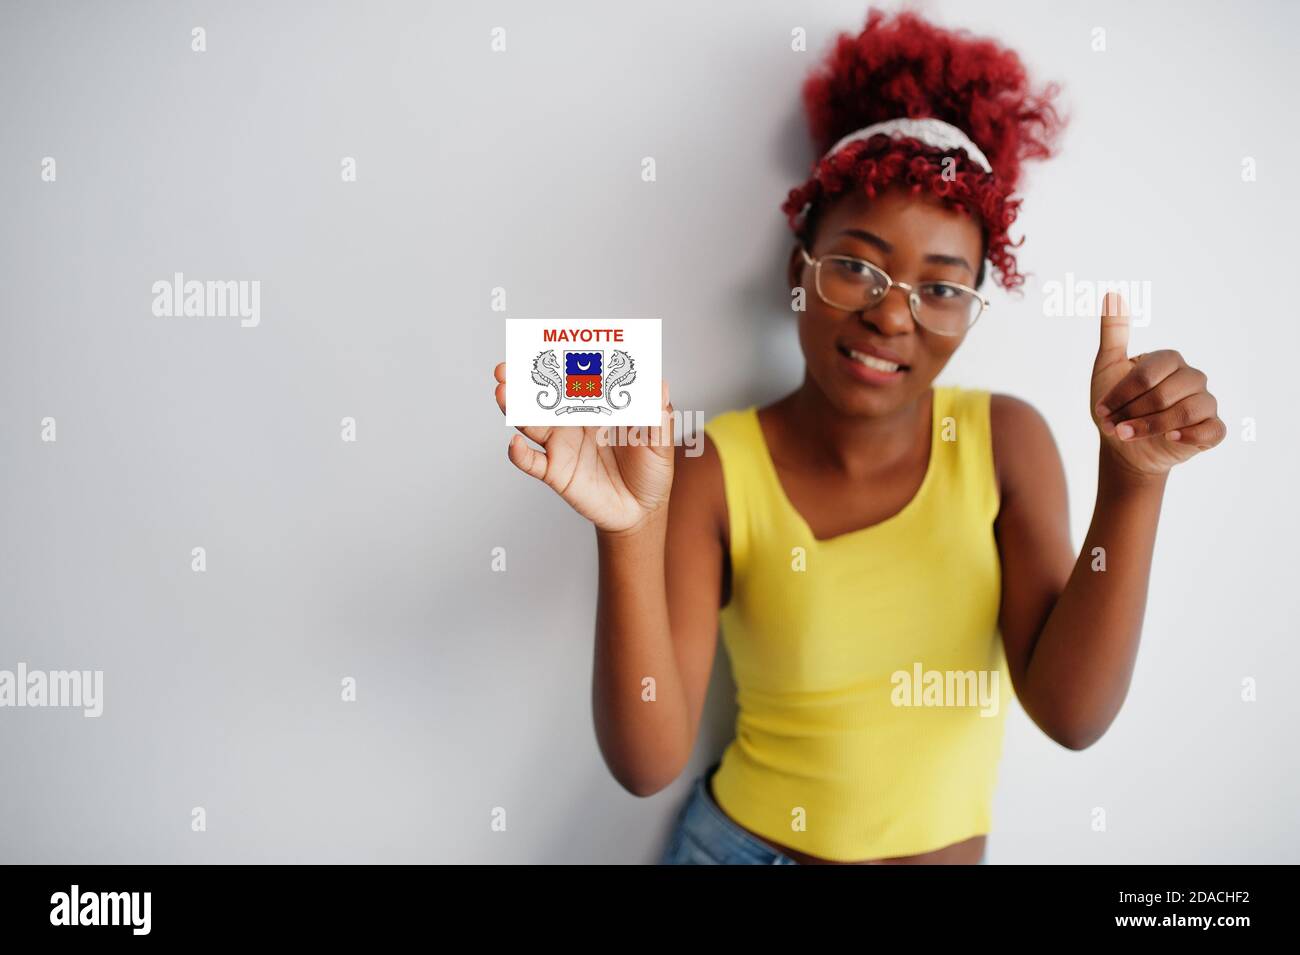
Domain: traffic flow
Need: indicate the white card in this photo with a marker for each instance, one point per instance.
(583, 372)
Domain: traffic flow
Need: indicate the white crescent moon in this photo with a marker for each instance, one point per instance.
(581, 366)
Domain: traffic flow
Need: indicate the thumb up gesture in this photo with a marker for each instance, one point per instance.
(1153, 410)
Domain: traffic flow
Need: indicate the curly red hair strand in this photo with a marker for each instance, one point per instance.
(904, 66)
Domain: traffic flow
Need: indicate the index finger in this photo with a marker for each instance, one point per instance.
(538, 434)
(1147, 372)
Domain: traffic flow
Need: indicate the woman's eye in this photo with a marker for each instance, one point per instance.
(940, 291)
(853, 267)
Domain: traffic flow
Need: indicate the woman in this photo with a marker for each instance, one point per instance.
(886, 555)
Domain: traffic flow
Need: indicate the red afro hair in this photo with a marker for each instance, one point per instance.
(904, 66)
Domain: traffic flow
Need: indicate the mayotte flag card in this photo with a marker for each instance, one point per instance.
(579, 372)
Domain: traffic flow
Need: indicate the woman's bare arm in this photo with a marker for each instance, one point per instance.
(660, 520)
(1070, 628)
(656, 629)
(1071, 632)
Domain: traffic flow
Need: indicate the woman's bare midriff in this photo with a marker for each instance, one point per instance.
(968, 852)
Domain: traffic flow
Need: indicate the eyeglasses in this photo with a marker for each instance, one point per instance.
(855, 285)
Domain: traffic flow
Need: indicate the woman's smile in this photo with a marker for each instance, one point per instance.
(871, 365)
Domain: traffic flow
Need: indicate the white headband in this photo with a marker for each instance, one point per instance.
(932, 132)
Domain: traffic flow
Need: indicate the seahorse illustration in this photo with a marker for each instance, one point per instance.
(546, 372)
(622, 371)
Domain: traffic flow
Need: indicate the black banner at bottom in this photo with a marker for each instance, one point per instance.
(333, 904)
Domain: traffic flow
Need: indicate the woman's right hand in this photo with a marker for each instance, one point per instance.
(618, 487)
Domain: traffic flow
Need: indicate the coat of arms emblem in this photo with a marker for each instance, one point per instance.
(585, 380)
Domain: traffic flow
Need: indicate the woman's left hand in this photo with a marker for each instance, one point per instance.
(1153, 411)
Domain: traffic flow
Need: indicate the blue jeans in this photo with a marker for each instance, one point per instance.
(705, 835)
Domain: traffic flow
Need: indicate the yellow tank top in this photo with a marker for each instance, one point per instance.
(871, 680)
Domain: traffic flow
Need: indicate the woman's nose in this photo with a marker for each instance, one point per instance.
(893, 316)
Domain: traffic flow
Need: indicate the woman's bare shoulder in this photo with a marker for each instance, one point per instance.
(698, 489)
(1022, 441)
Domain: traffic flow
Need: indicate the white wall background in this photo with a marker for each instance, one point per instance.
(372, 559)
